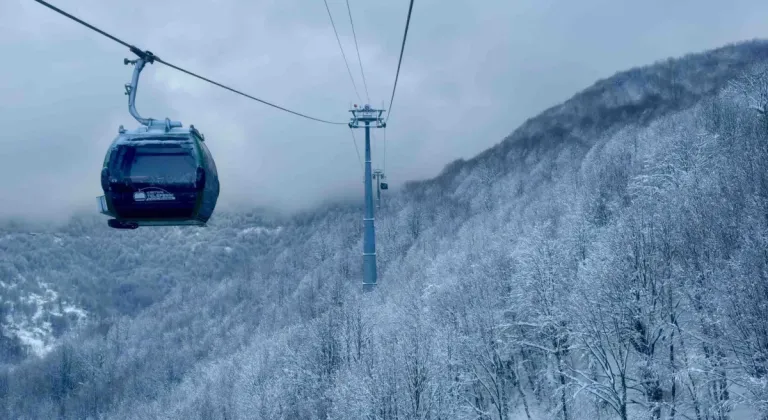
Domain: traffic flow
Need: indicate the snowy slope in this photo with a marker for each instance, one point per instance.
(54, 280)
(606, 260)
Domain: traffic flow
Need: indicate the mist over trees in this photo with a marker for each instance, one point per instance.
(608, 260)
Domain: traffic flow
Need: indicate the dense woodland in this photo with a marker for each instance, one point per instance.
(607, 260)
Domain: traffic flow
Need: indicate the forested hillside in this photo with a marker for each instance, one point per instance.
(607, 260)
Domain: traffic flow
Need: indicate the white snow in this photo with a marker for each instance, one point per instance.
(35, 342)
(36, 331)
(259, 230)
(70, 309)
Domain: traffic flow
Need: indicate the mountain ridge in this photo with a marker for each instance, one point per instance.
(534, 131)
(494, 279)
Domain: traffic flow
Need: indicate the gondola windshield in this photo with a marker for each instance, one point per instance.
(155, 163)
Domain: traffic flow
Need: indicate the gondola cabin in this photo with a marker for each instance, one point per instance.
(384, 186)
(158, 175)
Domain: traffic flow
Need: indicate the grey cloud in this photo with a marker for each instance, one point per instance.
(472, 72)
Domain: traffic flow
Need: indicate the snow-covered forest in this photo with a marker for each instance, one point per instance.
(607, 260)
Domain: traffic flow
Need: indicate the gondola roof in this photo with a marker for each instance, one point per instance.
(157, 132)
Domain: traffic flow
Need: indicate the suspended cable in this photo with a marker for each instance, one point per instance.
(402, 48)
(346, 63)
(374, 145)
(246, 95)
(354, 140)
(384, 165)
(152, 57)
(88, 25)
(384, 152)
(359, 60)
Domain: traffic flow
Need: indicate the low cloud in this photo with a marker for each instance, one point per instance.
(472, 72)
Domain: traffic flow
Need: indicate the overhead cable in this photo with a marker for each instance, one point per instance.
(152, 57)
(359, 60)
(346, 63)
(402, 48)
(354, 140)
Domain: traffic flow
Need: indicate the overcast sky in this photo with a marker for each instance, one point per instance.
(473, 70)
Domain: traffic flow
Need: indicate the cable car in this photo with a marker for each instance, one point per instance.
(160, 174)
(384, 186)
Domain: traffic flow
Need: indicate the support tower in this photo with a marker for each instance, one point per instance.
(370, 118)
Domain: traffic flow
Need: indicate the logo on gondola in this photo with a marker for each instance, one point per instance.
(153, 194)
